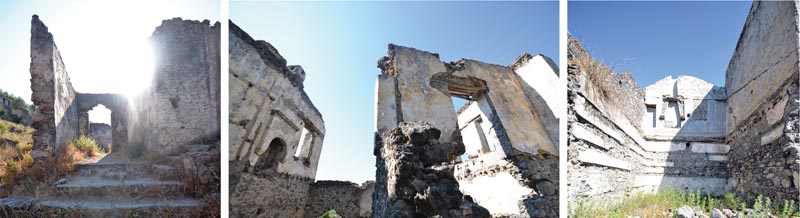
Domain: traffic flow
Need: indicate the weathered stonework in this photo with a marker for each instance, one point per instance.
(762, 84)
(509, 128)
(182, 104)
(56, 122)
(347, 198)
(101, 133)
(276, 133)
(419, 181)
(688, 134)
(184, 184)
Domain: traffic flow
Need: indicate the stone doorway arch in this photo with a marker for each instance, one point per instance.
(117, 104)
(275, 153)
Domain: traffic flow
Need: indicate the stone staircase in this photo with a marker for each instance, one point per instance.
(114, 187)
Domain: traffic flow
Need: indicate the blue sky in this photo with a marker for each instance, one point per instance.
(339, 44)
(655, 39)
(104, 44)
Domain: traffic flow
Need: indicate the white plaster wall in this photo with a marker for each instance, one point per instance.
(500, 193)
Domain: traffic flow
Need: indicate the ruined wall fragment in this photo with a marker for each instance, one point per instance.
(182, 104)
(56, 120)
(347, 198)
(762, 119)
(101, 133)
(417, 181)
(118, 105)
(276, 132)
(508, 128)
(625, 139)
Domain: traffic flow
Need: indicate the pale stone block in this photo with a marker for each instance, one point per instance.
(585, 134)
(776, 113)
(659, 163)
(664, 146)
(718, 158)
(699, 147)
(772, 135)
(594, 157)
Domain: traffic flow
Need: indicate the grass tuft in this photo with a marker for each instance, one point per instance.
(659, 204)
(87, 145)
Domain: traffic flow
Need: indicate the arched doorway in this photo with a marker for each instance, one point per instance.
(275, 153)
(99, 126)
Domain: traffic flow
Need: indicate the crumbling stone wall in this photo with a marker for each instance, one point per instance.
(276, 133)
(56, 121)
(182, 104)
(101, 133)
(416, 86)
(278, 195)
(605, 150)
(117, 104)
(419, 181)
(762, 120)
(623, 140)
(347, 198)
(739, 138)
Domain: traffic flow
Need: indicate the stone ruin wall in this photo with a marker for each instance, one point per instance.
(625, 139)
(685, 133)
(605, 150)
(63, 112)
(56, 122)
(347, 198)
(762, 128)
(182, 104)
(271, 174)
(417, 86)
(101, 133)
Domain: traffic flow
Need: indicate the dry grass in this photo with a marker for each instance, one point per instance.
(15, 157)
(661, 203)
(87, 145)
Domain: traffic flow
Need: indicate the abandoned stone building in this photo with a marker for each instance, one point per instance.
(176, 117)
(508, 129)
(276, 136)
(684, 133)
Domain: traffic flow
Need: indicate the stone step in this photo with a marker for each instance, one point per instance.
(111, 170)
(140, 188)
(164, 172)
(104, 208)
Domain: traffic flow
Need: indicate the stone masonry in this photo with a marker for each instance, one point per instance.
(684, 133)
(101, 133)
(185, 183)
(347, 198)
(276, 133)
(509, 129)
(181, 106)
(419, 182)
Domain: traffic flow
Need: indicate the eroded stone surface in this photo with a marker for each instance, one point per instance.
(418, 183)
(690, 134)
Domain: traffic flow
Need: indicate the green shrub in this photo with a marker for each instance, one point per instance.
(330, 214)
(757, 206)
(12, 168)
(3, 128)
(87, 145)
(23, 147)
(30, 186)
(134, 150)
(27, 160)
